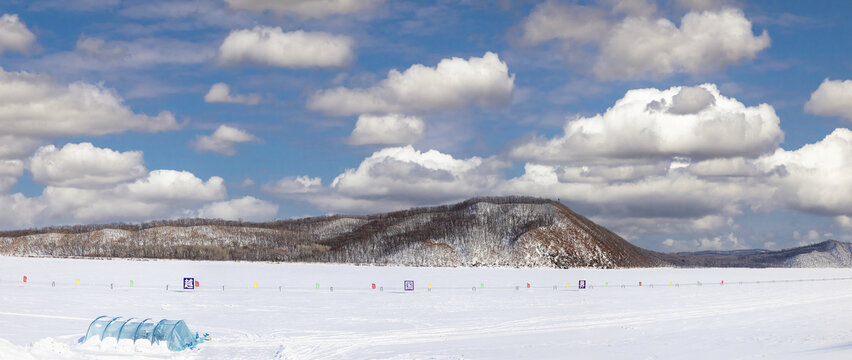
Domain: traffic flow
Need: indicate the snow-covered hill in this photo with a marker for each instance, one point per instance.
(477, 232)
(505, 231)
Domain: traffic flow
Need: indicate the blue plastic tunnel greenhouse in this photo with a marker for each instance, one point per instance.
(174, 332)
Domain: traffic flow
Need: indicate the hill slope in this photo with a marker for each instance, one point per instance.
(505, 231)
(478, 232)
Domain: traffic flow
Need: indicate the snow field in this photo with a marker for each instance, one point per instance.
(780, 320)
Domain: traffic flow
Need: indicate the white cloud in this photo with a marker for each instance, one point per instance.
(86, 184)
(305, 8)
(21, 211)
(388, 129)
(452, 84)
(247, 208)
(95, 54)
(12, 168)
(85, 166)
(691, 100)
(643, 124)
(832, 98)
(811, 236)
(815, 178)
(574, 24)
(36, 106)
(641, 45)
(14, 35)
(294, 185)
(676, 194)
(160, 194)
(222, 140)
(99, 48)
(397, 178)
(247, 182)
(668, 242)
(729, 242)
(844, 221)
(221, 93)
(270, 46)
(175, 186)
(17, 147)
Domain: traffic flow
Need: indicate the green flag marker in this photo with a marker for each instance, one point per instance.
(482, 285)
(131, 283)
(317, 285)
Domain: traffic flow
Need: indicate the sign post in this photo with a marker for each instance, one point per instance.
(409, 285)
(581, 284)
(189, 283)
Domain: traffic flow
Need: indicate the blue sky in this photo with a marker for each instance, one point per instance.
(680, 124)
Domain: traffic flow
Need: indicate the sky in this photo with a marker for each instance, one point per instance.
(682, 125)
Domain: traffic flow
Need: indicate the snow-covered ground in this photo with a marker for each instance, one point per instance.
(774, 320)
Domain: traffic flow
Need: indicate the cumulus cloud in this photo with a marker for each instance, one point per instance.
(221, 93)
(305, 8)
(85, 166)
(246, 208)
(160, 194)
(157, 195)
(389, 129)
(674, 194)
(36, 106)
(452, 84)
(396, 178)
(14, 35)
(270, 46)
(640, 45)
(815, 178)
(832, 98)
(222, 140)
(650, 123)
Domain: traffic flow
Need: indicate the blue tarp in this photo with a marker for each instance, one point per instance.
(174, 332)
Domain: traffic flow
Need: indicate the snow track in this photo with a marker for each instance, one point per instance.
(797, 319)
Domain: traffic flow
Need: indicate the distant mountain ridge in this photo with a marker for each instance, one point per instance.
(496, 231)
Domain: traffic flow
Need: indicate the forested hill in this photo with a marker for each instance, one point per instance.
(503, 231)
(506, 231)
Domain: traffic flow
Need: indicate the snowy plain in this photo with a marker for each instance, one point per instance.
(773, 314)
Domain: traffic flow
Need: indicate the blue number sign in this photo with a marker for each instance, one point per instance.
(409, 285)
(188, 283)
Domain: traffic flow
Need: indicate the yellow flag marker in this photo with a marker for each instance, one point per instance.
(255, 284)
(567, 284)
(430, 285)
(78, 282)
